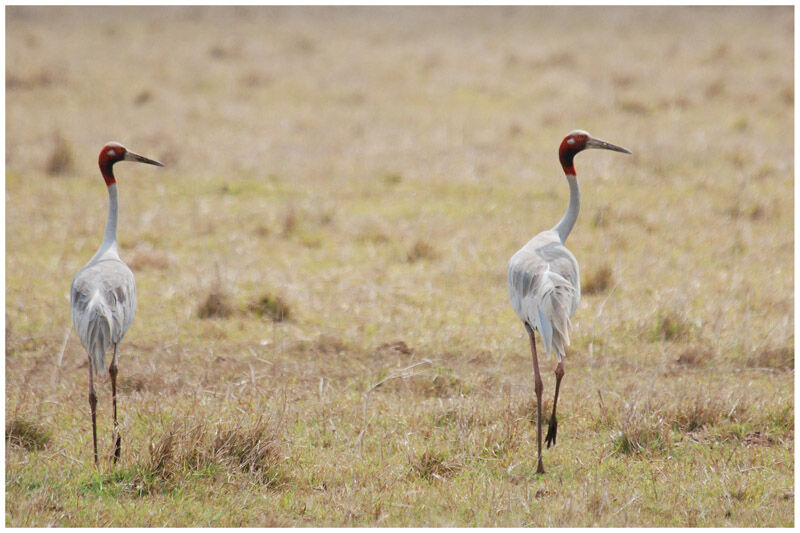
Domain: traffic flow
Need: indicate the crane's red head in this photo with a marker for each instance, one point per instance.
(579, 140)
(114, 152)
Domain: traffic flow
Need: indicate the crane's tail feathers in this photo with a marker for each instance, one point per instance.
(96, 334)
(554, 296)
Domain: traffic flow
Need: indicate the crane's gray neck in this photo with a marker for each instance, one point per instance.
(110, 236)
(566, 223)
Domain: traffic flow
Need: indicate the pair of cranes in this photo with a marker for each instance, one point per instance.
(543, 285)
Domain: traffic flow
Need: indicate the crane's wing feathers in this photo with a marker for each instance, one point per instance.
(544, 287)
(103, 300)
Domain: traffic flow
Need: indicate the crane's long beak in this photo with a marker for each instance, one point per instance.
(130, 156)
(597, 143)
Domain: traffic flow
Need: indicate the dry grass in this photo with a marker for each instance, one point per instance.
(273, 307)
(61, 160)
(420, 250)
(26, 433)
(598, 281)
(371, 170)
(216, 304)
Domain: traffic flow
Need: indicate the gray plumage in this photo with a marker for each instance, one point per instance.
(103, 298)
(544, 288)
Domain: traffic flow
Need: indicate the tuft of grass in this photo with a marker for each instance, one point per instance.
(597, 281)
(392, 178)
(694, 356)
(696, 412)
(61, 160)
(777, 357)
(216, 305)
(40, 79)
(26, 433)
(270, 306)
(252, 448)
(178, 449)
(388, 348)
(222, 52)
(433, 464)
(640, 428)
(421, 250)
(186, 449)
(255, 79)
(289, 222)
(143, 97)
(669, 325)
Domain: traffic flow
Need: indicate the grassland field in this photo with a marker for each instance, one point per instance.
(323, 334)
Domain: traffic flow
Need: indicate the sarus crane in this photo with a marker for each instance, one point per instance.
(103, 294)
(544, 283)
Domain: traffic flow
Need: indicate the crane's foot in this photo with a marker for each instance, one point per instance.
(552, 429)
(117, 448)
(540, 467)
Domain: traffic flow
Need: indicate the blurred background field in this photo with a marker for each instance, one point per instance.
(323, 334)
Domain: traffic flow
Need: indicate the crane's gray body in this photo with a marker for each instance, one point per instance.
(544, 288)
(103, 294)
(103, 299)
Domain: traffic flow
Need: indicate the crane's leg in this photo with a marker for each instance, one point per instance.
(93, 407)
(553, 427)
(537, 387)
(115, 436)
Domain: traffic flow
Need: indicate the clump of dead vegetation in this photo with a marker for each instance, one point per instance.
(777, 357)
(421, 250)
(255, 448)
(61, 160)
(696, 355)
(216, 304)
(186, 449)
(36, 80)
(670, 325)
(428, 384)
(143, 97)
(433, 464)
(289, 222)
(26, 433)
(271, 306)
(654, 422)
(597, 281)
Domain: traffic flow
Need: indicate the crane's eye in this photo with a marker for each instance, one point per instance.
(111, 152)
(571, 140)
